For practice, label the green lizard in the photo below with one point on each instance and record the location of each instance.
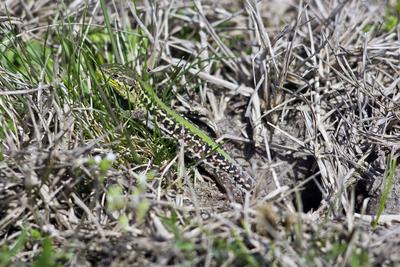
(198, 145)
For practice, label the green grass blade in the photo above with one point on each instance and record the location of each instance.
(387, 186)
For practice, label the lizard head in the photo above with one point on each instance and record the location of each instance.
(120, 78)
(116, 73)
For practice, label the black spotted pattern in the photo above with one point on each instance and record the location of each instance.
(197, 148)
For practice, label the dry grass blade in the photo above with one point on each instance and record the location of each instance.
(304, 94)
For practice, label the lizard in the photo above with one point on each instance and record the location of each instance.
(198, 145)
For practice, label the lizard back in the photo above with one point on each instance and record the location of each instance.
(198, 145)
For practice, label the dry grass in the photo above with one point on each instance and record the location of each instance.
(306, 96)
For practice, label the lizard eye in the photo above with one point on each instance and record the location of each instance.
(114, 76)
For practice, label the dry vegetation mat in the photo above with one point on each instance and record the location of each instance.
(304, 95)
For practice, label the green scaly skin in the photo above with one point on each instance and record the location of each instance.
(198, 145)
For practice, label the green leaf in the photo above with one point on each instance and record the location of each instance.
(6, 254)
(115, 198)
(46, 257)
(390, 23)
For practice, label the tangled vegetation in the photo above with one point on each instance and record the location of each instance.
(305, 95)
